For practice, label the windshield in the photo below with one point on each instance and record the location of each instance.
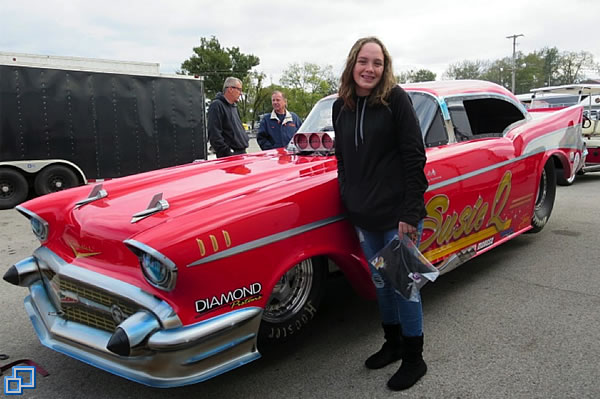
(426, 107)
(319, 119)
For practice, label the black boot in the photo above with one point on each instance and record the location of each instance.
(391, 350)
(413, 366)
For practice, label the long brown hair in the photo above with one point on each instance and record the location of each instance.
(348, 86)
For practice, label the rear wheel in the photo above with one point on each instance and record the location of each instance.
(13, 188)
(294, 300)
(561, 180)
(55, 178)
(545, 198)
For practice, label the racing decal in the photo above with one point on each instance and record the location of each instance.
(214, 242)
(485, 243)
(525, 221)
(521, 201)
(506, 232)
(234, 298)
(455, 231)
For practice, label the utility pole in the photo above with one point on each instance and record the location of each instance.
(514, 58)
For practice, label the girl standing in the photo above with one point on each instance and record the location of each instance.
(381, 156)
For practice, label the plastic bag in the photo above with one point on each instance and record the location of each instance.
(405, 267)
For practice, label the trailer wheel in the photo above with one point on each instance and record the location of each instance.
(54, 178)
(13, 188)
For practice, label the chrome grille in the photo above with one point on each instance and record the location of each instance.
(86, 304)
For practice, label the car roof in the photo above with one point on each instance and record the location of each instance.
(449, 88)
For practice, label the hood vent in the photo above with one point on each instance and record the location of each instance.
(96, 193)
(157, 204)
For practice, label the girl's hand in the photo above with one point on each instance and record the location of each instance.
(410, 230)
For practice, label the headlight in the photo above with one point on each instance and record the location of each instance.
(155, 271)
(159, 270)
(38, 225)
(39, 228)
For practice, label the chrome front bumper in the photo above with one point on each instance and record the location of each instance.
(168, 356)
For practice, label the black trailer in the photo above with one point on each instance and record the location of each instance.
(63, 127)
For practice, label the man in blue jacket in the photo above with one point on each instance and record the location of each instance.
(277, 128)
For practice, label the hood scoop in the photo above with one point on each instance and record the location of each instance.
(157, 204)
(96, 194)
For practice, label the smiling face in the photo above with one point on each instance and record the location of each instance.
(368, 68)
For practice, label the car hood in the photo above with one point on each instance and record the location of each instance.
(201, 196)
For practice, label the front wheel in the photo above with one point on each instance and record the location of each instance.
(545, 198)
(294, 300)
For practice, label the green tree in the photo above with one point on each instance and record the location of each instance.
(545, 67)
(572, 64)
(551, 58)
(499, 72)
(306, 84)
(422, 75)
(256, 97)
(404, 76)
(466, 70)
(216, 63)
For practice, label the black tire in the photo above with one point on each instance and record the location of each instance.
(294, 301)
(561, 180)
(54, 178)
(13, 188)
(545, 198)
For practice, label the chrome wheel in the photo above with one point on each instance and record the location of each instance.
(290, 293)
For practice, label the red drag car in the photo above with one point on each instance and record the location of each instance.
(171, 277)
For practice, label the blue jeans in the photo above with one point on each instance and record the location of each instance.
(394, 309)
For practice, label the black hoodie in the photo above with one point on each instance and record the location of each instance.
(381, 157)
(225, 130)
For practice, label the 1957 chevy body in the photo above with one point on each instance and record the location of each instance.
(174, 276)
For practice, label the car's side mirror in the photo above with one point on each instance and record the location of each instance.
(586, 122)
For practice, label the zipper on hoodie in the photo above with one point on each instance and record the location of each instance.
(362, 117)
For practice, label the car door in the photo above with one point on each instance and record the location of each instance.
(472, 178)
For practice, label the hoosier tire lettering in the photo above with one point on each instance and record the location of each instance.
(283, 332)
(294, 301)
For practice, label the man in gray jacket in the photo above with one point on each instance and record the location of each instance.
(226, 133)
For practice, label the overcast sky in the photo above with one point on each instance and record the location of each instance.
(428, 34)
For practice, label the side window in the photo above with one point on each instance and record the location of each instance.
(436, 135)
(460, 121)
(490, 116)
(430, 119)
(483, 117)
